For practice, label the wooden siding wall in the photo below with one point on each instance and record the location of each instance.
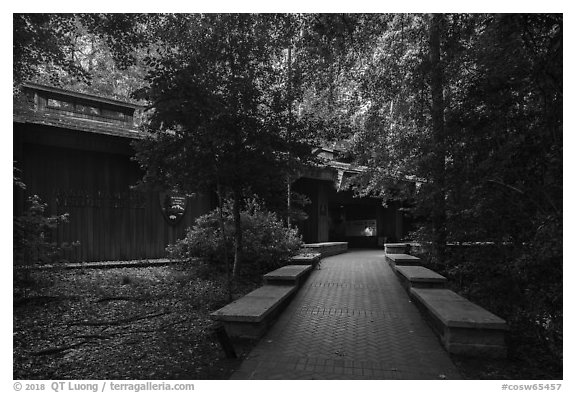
(309, 227)
(111, 221)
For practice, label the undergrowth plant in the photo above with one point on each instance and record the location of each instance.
(267, 242)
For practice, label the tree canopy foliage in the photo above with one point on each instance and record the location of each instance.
(91, 53)
(460, 117)
(502, 99)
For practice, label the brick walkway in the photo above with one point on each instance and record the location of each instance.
(350, 320)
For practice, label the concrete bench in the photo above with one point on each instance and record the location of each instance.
(419, 277)
(251, 315)
(402, 259)
(395, 248)
(287, 275)
(464, 327)
(327, 249)
(306, 259)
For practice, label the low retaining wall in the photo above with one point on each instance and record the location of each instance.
(104, 264)
(327, 249)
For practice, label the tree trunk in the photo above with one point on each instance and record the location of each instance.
(237, 231)
(288, 201)
(223, 239)
(289, 139)
(438, 137)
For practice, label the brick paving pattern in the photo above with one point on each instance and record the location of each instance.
(350, 320)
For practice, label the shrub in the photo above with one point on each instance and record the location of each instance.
(521, 284)
(32, 245)
(520, 281)
(267, 243)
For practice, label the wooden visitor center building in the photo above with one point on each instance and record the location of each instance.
(74, 151)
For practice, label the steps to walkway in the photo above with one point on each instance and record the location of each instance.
(251, 315)
(327, 249)
(464, 327)
(402, 260)
(419, 277)
(289, 275)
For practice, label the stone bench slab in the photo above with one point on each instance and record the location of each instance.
(287, 274)
(420, 273)
(326, 244)
(402, 259)
(306, 259)
(464, 327)
(395, 248)
(420, 277)
(256, 305)
(455, 311)
(328, 248)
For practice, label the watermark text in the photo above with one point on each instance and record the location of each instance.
(102, 386)
(531, 386)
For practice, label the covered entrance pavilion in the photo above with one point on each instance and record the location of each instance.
(336, 215)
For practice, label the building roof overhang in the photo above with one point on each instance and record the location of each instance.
(48, 119)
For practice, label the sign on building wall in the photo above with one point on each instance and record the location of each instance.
(100, 199)
(361, 228)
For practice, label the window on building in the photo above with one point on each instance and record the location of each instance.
(59, 104)
(88, 110)
(112, 114)
(85, 110)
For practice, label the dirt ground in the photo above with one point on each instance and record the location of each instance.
(119, 323)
